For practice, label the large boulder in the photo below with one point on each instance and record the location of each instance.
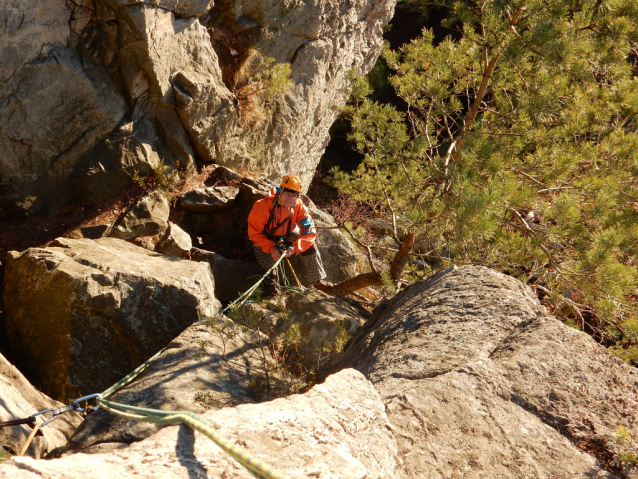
(324, 41)
(482, 382)
(211, 365)
(325, 325)
(97, 92)
(20, 400)
(337, 429)
(81, 314)
(209, 200)
(232, 277)
(176, 243)
(56, 106)
(147, 217)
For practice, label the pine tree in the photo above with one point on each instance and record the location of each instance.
(518, 150)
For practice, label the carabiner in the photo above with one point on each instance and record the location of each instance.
(86, 398)
(44, 411)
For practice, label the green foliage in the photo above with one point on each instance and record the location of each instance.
(257, 84)
(277, 80)
(293, 337)
(518, 150)
(4, 455)
(627, 455)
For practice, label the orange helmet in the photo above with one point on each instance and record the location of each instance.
(291, 182)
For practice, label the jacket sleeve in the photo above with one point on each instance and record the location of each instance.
(308, 233)
(256, 223)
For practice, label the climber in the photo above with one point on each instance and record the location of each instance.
(280, 224)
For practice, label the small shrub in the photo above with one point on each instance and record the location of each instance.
(293, 337)
(627, 455)
(202, 344)
(205, 399)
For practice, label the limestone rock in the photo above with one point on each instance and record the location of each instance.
(232, 277)
(99, 91)
(56, 106)
(208, 366)
(116, 162)
(338, 428)
(326, 323)
(82, 314)
(500, 389)
(147, 217)
(177, 242)
(20, 400)
(208, 200)
(323, 41)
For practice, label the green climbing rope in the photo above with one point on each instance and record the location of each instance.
(257, 468)
(131, 376)
(242, 299)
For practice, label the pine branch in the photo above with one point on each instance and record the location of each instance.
(395, 234)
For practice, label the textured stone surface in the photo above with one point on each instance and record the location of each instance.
(337, 429)
(481, 382)
(326, 323)
(323, 40)
(177, 242)
(19, 399)
(208, 200)
(232, 277)
(203, 368)
(147, 217)
(98, 91)
(81, 314)
(54, 106)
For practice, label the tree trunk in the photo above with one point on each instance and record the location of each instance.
(355, 283)
(396, 268)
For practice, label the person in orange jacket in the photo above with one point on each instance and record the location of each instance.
(280, 224)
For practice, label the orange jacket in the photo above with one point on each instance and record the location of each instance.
(260, 213)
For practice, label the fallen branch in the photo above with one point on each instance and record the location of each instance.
(350, 285)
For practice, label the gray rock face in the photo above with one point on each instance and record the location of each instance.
(55, 108)
(147, 218)
(326, 323)
(98, 91)
(177, 242)
(323, 41)
(481, 382)
(339, 426)
(20, 400)
(232, 277)
(82, 314)
(208, 200)
(204, 368)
